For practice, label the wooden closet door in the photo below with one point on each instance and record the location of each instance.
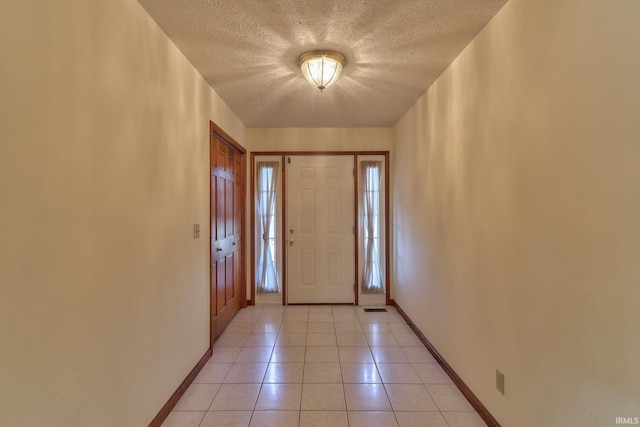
(227, 207)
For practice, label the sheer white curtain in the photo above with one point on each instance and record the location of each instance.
(370, 186)
(267, 181)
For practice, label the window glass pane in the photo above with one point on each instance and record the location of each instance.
(266, 227)
(370, 188)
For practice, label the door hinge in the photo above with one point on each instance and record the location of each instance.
(289, 160)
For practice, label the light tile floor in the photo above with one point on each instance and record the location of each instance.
(317, 366)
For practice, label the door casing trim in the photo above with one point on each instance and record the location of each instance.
(283, 155)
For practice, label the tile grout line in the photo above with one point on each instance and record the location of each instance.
(269, 363)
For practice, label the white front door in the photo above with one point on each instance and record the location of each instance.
(320, 242)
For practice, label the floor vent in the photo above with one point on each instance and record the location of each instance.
(375, 310)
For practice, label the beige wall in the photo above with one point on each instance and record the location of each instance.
(516, 207)
(320, 139)
(103, 171)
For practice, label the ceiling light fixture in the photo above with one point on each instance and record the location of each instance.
(321, 68)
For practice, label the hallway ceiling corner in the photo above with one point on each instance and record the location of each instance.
(247, 50)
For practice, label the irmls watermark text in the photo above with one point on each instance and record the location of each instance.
(628, 420)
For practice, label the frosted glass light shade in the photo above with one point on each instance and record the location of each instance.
(321, 68)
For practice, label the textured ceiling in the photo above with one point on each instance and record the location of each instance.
(247, 51)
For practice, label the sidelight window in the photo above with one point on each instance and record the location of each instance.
(267, 277)
(371, 227)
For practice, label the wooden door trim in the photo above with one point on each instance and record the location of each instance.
(284, 232)
(252, 226)
(216, 131)
(356, 231)
(355, 154)
(387, 256)
(318, 153)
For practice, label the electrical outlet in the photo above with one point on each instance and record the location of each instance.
(196, 231)
(500, 381)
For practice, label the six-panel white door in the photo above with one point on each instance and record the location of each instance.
(320, 229)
